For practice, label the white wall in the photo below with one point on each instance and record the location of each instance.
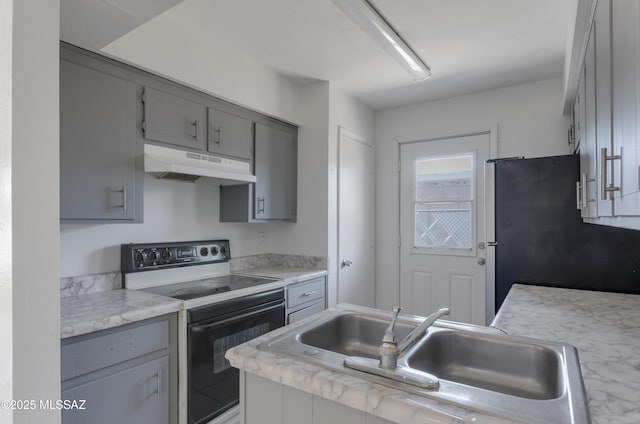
(29, 128)
(529, 122)
(173, 211)
(172, 46)
(348, 113)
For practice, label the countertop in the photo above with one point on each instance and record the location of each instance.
(91, 312)
(604, 327)
(289, 275)
(110, 308)
(382, 401)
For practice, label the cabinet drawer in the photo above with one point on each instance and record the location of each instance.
(305, 292)
(109, 349)
(303, 313)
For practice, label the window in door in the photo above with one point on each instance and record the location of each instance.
(444, 204)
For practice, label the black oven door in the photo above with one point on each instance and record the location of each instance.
(213, 382)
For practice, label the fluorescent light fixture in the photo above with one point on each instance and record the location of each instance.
(370, 21)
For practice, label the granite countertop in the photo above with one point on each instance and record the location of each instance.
(604, 327)
(110, 308)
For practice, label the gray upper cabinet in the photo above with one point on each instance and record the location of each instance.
(98, 176)
(273, 197)
(276, 172)
(173, 119)
(626, 107)
(229, 134)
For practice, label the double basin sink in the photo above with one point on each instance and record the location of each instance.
(479, 368)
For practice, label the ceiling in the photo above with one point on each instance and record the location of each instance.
(470, 45)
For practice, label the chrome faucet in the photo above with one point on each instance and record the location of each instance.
(391, 349)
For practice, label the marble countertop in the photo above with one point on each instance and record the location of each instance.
(96, 311)
(385, 402)
(604, 327)
(288, 274)
(110, 308)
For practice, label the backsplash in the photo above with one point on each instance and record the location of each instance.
(84, 284)
(278, 260)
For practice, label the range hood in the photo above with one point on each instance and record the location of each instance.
(174, 164)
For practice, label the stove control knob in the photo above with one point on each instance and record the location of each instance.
(223, 250)
(214, 250)
(166, 254)
(204, 251)
(140, 257)
(153, 256)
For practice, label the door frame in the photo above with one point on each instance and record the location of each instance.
(490, 277)
(342, 131)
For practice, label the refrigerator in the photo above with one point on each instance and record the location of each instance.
(535, 234)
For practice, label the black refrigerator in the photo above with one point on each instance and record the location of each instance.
(540, 237)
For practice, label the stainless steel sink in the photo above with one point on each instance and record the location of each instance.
(479, 368)
(352, 334)
(496, 363)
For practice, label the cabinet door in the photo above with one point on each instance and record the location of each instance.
(229, 134)
(97, 145)
(172, 119)
(588, 155)
(135, 395)
(626, 106)
(276, 172)
(580, 126)
(602, 30)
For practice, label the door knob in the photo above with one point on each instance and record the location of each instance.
(346, 263)
(481, 261)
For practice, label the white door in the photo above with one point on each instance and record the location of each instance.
(441, 224)
(355, 220)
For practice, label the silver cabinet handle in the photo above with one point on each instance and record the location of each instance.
(123, 190)
(583, 185)
(309, 293)
(158, 383)
(261, 204)
(218, 131)
(346, 263)
(195, 130)
(578, 195)
(603, 173)
(158, 378)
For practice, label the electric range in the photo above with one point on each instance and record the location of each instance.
(221, 310)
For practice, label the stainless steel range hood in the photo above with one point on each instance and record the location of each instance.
(174, 164)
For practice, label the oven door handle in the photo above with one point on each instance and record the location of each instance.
(199, 328)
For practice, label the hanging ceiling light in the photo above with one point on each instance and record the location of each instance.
(373, 23)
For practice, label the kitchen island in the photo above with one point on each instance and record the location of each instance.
(604, 327)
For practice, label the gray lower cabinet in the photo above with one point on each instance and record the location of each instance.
(126, 375)
(229, 134)
(99, 181)
(273, 197)
(173, 119)
(135, 395)
(306, 298)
